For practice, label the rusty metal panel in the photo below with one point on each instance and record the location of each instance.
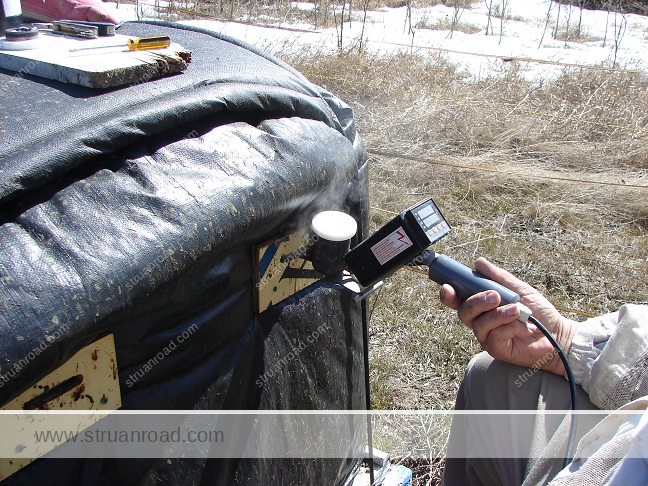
(87, 381)
(277, 280)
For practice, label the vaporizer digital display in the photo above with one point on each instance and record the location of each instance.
(430, 220)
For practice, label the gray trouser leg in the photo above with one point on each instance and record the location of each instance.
(494, 385)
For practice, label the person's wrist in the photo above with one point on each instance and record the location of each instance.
(564, 334)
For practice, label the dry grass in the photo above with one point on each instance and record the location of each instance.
(325, 13)
(446, 24)
(584, 245)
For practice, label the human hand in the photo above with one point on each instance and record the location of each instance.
(84, 10)
(498, 330)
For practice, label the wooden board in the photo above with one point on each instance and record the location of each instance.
(51, 58)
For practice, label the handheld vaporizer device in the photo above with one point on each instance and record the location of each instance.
(405, 240)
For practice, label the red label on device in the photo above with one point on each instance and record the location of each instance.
(390, 246)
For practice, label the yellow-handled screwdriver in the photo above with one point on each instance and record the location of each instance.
(139, 44)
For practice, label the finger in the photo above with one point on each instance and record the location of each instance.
(500, 342)
(493, 272)
(449, 297)
(476, 305)
(490, 321)
(507, 331)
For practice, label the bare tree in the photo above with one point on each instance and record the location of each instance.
(457, 11)
(569, 15)
(581, 7)
(555, 31)
(365, 8)
(503, 17)
(607, 22)
(339, 25)
(409, 28)
(620, 26)
(320, 12)
(489, 21)
(546, 24)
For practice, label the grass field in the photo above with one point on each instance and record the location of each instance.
(539, 178)
(546, 178)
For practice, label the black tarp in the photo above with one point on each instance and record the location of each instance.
(134, 211)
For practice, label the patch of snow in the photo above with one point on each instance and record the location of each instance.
(524, 34)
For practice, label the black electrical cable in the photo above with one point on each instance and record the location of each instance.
(365, 348)
(572, 389)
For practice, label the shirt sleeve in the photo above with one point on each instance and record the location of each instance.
(609, 356)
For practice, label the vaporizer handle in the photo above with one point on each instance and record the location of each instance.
(466, 282)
